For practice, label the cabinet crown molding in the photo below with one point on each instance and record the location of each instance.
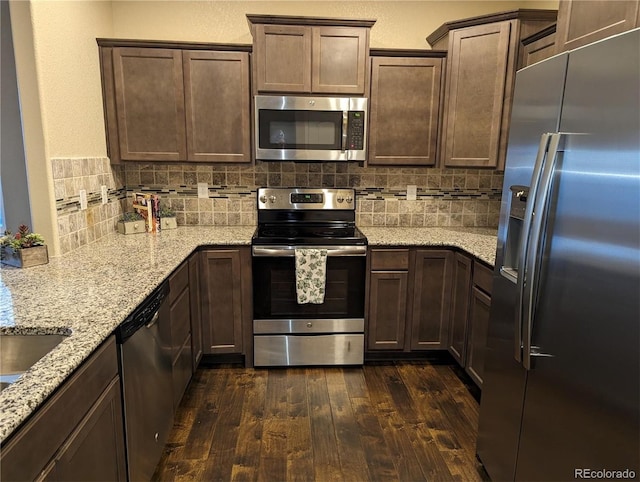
(312, 21)
(517, 14)
(166, 44)
(391, 52)
(539, 35)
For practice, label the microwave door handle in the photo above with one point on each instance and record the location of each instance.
(345, 126)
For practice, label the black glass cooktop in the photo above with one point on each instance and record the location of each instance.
(298, 234)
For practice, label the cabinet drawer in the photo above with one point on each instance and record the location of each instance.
(178, 281)
(482, 277)
(389, 259)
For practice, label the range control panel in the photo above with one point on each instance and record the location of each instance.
(306, 198)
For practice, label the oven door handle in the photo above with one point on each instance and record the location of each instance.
(289, 251)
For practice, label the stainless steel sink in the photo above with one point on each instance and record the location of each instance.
(18, 353)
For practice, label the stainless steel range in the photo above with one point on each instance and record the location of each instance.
(293, 222)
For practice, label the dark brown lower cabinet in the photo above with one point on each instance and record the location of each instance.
(180, 316)
(225, 288)
(387, 310)
(469, 322)
(194, 301)
(431, 299)
(478, 326)
(78, 433)
(460, 307)
(409, 293)
(98, 433)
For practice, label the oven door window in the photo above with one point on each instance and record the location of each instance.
(300, 129)
(274, 289)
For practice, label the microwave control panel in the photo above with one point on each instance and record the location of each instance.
(355, 130)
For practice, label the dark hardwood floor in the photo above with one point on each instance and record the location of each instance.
(404, 421)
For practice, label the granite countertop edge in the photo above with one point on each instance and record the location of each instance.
(97, 286)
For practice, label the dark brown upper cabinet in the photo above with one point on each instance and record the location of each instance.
(538, 46)
(581, 22)
(310, 55)
(149, 94)
(405, 107)
(168, 101)
(217, 98)
(481, 64)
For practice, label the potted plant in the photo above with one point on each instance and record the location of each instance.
(131, 223)
(23, 249)
(167, 218)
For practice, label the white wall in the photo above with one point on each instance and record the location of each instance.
(400, 24)
(60, 94)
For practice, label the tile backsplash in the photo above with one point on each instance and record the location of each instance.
(79, 227)
(445, 197)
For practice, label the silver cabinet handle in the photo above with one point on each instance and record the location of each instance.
(524, 241)
(538, 224)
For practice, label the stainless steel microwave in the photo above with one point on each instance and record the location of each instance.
(291, 128)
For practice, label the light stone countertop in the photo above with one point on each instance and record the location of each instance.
(91, 290)
(480, 242)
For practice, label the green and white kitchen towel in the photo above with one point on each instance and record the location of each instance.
(311, 274)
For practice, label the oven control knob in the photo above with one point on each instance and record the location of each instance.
(272, 199)
(340, 199)
(263, 199)
(309, 324)
(349, 199)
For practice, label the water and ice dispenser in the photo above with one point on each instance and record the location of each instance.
(519, 195)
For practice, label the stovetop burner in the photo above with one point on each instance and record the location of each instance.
(307, 216)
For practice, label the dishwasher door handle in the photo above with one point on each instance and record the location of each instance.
(154, 320)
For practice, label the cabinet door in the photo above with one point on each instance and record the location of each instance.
(221, 301)
(283, 58)
(194, 301)
(582, 22)
(405, 101)
(476, 76)
(387, 310)
(217, 100)
(339, 57)
(478, 326)
(27, 451)
(460, 307)
(149, 93)
(181, 359)
(538, 50)
(95, 450)
(431, 299)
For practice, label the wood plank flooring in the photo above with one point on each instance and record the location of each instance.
(404, 421)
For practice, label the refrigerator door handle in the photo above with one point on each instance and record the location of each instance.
(524, 242)
(533, 249)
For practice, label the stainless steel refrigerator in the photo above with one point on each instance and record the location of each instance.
(560, 398)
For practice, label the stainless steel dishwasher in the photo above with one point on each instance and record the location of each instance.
(144, 348)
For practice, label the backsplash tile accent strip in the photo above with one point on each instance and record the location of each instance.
(445, 197)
